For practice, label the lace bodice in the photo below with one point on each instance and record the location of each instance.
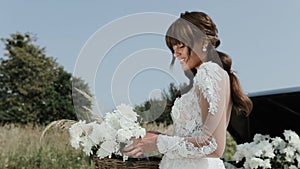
(197, 114)
(186, 124)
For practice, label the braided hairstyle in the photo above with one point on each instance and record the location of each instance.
(197, 26)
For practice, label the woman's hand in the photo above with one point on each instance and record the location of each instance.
(141, 145)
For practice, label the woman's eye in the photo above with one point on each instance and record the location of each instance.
(180, 46)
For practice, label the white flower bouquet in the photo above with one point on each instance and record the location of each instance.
(266, 152)
(109, 136)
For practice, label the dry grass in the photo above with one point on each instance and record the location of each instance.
(161, 127)
(20, 147)
(23, 147)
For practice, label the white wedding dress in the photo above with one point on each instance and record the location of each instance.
(210, 95)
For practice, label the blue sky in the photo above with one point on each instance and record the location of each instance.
(262, 38)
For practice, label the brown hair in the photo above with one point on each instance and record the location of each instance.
(193, 26)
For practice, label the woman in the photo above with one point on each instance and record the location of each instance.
(201, 115)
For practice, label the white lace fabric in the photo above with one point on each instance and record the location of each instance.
(199, 118)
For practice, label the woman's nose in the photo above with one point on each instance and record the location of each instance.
(176, 54)
(176, 51)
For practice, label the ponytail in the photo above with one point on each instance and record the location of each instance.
(241, 102)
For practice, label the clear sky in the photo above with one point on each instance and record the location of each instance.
(262, 37)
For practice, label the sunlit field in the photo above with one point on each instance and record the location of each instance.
(21, 148)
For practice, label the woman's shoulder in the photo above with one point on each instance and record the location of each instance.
(211, 76)
(210, 80)
(210, 66)
(210, 70)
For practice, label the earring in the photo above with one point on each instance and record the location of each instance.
(204, 49)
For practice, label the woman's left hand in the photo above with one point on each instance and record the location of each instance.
(141, 145)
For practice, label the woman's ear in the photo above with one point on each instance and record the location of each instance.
(205, 43)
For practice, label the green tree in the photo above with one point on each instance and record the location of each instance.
(151, 110)
(33, 87)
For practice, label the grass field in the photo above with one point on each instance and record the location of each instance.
(20, 148)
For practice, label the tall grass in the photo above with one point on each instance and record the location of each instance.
(20, 148)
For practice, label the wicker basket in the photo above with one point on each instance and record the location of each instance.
(131, 163)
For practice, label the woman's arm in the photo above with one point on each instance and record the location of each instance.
(213, 97)
(213, 84)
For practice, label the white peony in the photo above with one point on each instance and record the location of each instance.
(109, 146)
(293, 139)
(102, 153)
(257, 162)
(278, 143)
(259, 137)
(87, 145)
(124, 135)
(112, 119)
(107, 132)
(290, 136)
(97, 133)
(293, 167)
(298, 159)
(110, 135)
(127, 112)
(76, 130)
(139, 132)
(266, 148)
(265, 151)
(269, 151)
(75, 142)
(125, 124)
(289, 153)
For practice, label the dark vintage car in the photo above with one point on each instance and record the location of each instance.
(273, 112)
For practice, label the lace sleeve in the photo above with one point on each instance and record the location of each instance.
(213, 90)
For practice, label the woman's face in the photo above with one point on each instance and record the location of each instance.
(181, 52)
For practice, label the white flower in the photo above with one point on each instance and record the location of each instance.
(87, 145)
(110, 135)
(293, 167)
(125, 124)
(102, 153)
(266, 148)
(139, 132)
(278, 143)
(75, 142)
(127, 112)
(262, 151)
(259, 137)
(107, 132)
(109, 146)
(99, 133)
(293, 139)
(112, 119)
(298, 159)
(289, 153)
(76, 130)
(123, 135)
(290, 136)
(242, 150)
(257, 162)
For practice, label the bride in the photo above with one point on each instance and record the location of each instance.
(201, 114)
